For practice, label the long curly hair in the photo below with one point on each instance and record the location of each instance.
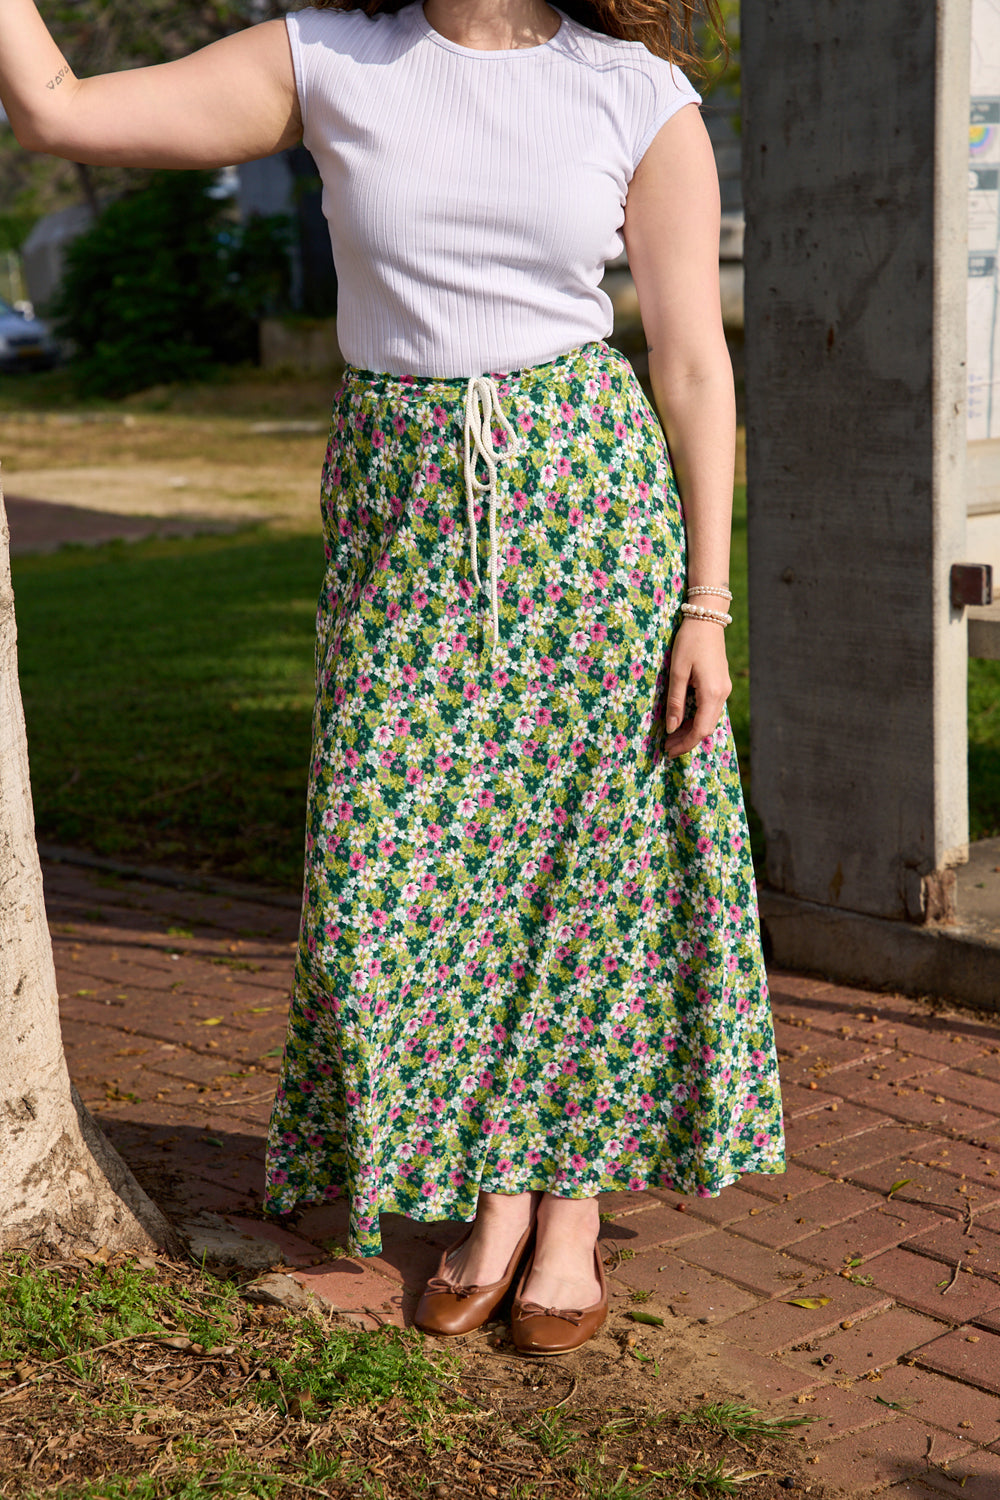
(671, 28)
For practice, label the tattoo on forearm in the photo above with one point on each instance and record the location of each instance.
(63, 73)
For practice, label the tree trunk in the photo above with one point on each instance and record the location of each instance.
(61, 1183)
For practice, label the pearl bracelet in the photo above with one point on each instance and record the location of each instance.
(704, 588)
(697, 612)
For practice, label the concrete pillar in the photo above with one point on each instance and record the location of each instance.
(855, 176)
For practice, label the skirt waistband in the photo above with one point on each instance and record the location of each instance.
(382, 380)
(480, 398)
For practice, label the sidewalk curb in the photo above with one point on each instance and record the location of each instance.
(178, 880)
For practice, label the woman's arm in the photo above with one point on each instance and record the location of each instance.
(672, 236)
(233, 101)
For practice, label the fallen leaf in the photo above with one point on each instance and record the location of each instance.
(645, 1317)
(902, 1183)
(212, 1021)
(806, 1301)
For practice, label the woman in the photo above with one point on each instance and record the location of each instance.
(529, 969)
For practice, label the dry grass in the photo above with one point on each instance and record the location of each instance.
(156, 1380)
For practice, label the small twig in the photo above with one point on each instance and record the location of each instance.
(568, 1396)
(131, 1338)
(954, 1278)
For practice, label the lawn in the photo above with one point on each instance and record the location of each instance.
(168, 691)
(150, 1380)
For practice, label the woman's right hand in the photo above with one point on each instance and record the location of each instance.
(232, 101)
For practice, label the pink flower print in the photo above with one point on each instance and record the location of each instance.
(534, 1157)
(525, 605)
(486, 798)
(470, 692)
(414, 776)
(446, 525)
(575, 515)
(379, 917)
(761, 1138)
(572, 1109)
(353, 1098)
(563, 467)
(525, 421)
(652, 960)
(439, 416)
(598, 632)
(577, 747)
(428, 881)
(444, 763)
(357, 860)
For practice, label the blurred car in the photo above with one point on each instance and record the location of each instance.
(26, 342)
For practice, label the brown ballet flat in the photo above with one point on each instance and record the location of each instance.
(556, 1330)
(448, 1310)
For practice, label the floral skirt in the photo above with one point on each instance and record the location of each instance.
(529, 953)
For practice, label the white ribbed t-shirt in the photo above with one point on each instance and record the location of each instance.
(473, 197)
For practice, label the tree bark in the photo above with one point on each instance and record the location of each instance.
(61, 1182)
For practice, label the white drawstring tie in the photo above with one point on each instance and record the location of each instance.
(482, 407)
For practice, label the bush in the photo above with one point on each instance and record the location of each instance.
(164, 286)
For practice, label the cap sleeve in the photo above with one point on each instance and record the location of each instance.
(293, 25)
(670, 90)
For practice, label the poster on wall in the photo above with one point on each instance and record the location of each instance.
(984, 224)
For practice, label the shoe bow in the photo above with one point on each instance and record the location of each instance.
(535, 1310)
(439, 1284)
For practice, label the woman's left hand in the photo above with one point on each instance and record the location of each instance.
(697, 662)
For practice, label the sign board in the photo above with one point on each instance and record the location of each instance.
(984, 224)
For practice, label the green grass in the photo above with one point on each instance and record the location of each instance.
(168, 692)
(168, 689)
(984, 749)
(101, 1395)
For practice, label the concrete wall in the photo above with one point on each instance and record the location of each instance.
(855, 143)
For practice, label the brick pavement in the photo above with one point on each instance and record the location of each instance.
(173, 1006)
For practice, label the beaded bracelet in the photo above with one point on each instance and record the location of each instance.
(704, 588)
(697, 612)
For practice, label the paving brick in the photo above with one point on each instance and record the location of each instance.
(295, 1251)
(868, 1345)
(926, 1185)
(981, 1093)
(835, 1411)
(822, 1056)
(990, 1320)
(827, 1125)
(973, 1477)
(979, 1249)
(864, 1463)
(967, 1354)
(796, 1101)
(786, 985)
(985, 1066)
(347, 1286)
(760, 1380)
(641, 1231)
(974, 1163)
(915, 1280)
(779, 1186)
(919, 1100)
(969, 1414)
(871, 1085)
(786, 1223)
(843, 1157)
(682, 1289)
(867, 1235)
(627, 1203)
(777, 1325)
(728, 1206)
(752, 1266)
